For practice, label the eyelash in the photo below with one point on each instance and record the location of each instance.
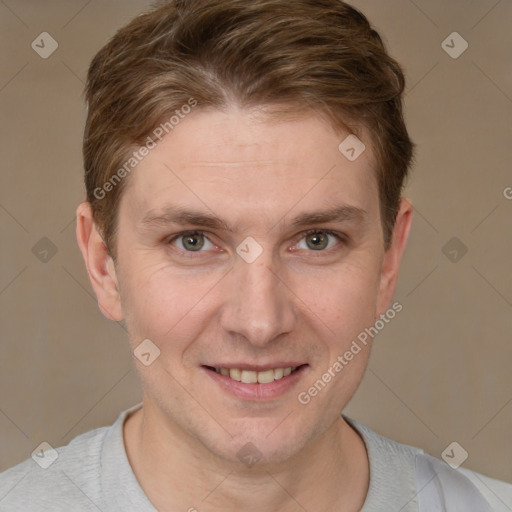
(342, 238)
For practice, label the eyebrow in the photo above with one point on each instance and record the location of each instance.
(180, 215)
(341, 213)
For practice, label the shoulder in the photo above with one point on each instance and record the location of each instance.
(392, 484)
(427, 481)
(56, 479)
(496, 492)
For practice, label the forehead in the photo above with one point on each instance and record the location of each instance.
(243, 161)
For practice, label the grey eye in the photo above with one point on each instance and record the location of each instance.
(317, 241)
(192, 242)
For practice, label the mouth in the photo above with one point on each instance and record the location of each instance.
(265, 376)
(257, 383)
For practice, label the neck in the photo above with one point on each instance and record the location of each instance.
(179, 473)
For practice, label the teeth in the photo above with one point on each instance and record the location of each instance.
(252, 377)
(265, 377)
(235, 374)
(278, 373)
(249, 377)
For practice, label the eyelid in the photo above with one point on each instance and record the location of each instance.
(170, 240)
(332, 232)
(341, 237)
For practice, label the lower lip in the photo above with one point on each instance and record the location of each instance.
(257, 392)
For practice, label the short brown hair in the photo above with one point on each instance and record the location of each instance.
(315, 54)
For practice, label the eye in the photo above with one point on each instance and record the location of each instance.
(320, 240)
(191, 241)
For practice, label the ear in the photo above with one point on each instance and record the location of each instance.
(393, 256)
(100, 265)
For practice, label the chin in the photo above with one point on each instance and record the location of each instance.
(259, 445)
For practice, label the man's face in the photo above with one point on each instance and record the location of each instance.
(300, 303)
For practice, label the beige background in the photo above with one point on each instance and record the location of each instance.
(440, 372)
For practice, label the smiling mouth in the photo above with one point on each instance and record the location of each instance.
(255, 377)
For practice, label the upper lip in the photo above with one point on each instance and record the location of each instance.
(256, 367)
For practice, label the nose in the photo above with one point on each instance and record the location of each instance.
(259, 306)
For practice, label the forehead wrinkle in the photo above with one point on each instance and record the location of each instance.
(231, 164)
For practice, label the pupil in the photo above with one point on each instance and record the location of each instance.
(192, 242)
(318, 240)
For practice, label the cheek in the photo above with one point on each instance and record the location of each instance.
(344, 298)
(342, 309)
(162, 304)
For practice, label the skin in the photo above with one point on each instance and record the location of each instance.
(293, 302)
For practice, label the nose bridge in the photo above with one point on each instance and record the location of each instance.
(259, 306)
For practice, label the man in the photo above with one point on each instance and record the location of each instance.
(244, 164)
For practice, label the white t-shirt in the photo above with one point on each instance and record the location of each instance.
(92, 473)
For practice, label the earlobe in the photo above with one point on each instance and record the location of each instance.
(99, 264)
(393, 256)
